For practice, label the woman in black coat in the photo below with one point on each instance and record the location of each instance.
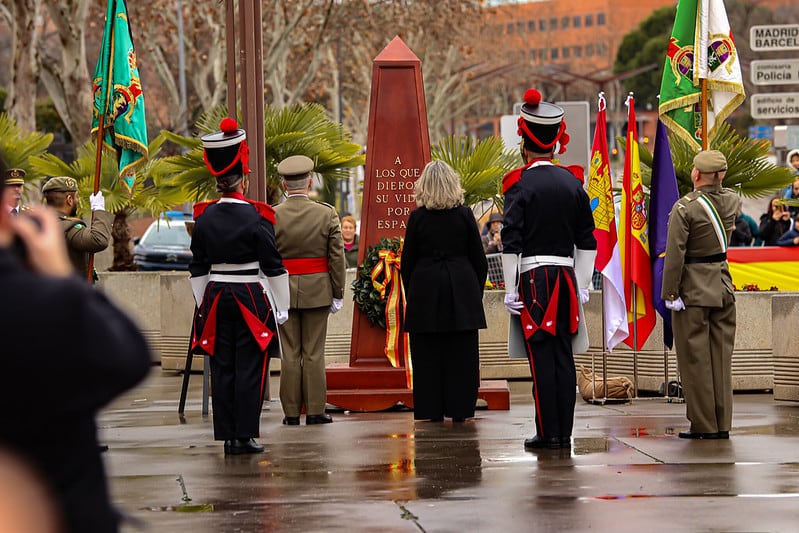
(444, 272)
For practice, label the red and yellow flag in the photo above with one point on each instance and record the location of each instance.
(634, 242)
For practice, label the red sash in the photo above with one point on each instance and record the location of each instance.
(298, 266)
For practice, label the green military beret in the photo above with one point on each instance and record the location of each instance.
(60, 184)
(295, 167)
(710, 161)
(15, 176)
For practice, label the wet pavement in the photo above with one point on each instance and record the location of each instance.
(384, 472)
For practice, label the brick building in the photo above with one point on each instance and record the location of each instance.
(579, 36)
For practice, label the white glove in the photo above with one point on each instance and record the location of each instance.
(281, 317)
(512, 303)
(674, 305)
(198, 284)
(97, 201)
(336, 306)
(584, 296)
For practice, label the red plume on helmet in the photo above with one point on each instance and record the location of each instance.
(541, 123)
(226, 151)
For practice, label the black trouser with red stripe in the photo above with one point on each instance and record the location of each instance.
(554, 385)
(550, 356)
(238, 375)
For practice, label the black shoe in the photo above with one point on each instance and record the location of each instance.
(458, 419)
(291, 421)
(537, 443)
(701, 436)
(565, 442)
(242, 446)
(725, 435)
(318, 419)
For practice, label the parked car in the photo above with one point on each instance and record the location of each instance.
(165, 245)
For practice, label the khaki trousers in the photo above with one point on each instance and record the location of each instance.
(705, 338)
(302, 370)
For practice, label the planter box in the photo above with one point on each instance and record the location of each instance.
(161, 303)
(785, 343)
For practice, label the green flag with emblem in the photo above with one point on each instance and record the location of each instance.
(701, 47)
(118, 96)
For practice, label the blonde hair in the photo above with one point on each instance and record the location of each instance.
(439, 187)
(350, 219)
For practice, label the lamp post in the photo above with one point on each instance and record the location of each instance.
(343, 184)
(182, 119)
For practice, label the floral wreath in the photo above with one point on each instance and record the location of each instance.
(365, 294)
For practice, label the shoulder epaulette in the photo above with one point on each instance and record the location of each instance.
(264, 209)
(200, 207)
(576, 170)
(511, 178)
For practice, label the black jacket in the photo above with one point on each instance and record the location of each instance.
(444, 271)
(66, 353)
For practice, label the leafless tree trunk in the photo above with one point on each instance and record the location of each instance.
(294, 51)
(66, 77)
(22, 18)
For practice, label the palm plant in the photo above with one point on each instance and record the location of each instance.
(481, 165)
(146, 196)
(748, 171)
(299, 129)
(17, 148)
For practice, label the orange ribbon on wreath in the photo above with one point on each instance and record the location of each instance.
(393, 292)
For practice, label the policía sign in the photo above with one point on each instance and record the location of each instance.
(774, 37)
(775, 71)
(775, 105)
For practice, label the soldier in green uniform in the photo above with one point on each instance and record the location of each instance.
(308, 236)
(697, 287)
(15, 182)
(61, 193)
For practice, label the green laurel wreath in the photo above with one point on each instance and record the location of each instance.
(364, 293)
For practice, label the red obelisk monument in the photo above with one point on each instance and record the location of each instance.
(397, 149)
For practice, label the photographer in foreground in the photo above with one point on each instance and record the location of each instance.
(67, 352)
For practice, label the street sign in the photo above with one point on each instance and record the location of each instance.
(775, 71)
(775, 105)
(774, 37)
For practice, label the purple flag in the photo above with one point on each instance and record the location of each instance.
(663, 194)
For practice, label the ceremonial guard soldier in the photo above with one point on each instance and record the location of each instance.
(697, 287)
(548, 259)
(310, 242)
(241, 289)
(61, 193)
(15, 182)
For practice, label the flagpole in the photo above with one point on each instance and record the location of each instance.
(703, 107)
(98, 160)
(634, 293)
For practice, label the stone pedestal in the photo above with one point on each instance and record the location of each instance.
(785, 346)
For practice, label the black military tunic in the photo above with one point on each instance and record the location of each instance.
(232, 240)
(547, 214)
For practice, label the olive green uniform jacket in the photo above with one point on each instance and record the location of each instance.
(704, 332)
(83, 240)
(307, 229)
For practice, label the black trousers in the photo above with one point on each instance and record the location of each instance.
(554, 384)
(446, 374)
(238, 375)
